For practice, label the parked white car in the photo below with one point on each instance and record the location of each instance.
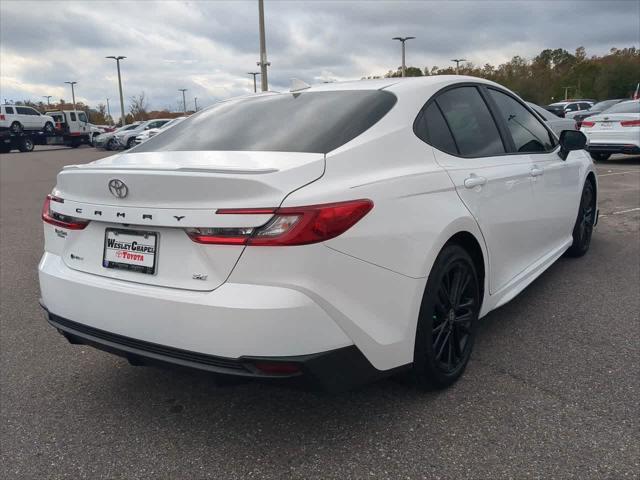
(147, 134)
(337, 234)
(19, 118)
(127, 138)
(556, 123)
(616, 130)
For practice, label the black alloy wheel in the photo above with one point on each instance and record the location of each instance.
(583, 228)
(448, 319)
(16, 127)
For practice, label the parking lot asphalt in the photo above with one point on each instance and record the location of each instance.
(551, 391)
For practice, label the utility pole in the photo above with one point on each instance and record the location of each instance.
(117, 59)
(73, 94)
(47, 97)
(254, 80)
(403, 40)
(263, 63)
(109, 112)
(566, 92)
(184, 99)
(458, 60)
(195, 102)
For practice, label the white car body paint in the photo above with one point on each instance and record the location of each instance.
(362, 288)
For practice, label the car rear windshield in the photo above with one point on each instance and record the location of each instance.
(625, 107)
(313, 122)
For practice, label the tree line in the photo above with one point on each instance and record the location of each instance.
(545, 78)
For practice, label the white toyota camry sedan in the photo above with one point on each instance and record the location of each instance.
(335, 234)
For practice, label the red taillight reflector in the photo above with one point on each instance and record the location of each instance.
(288, 226)
(2, 117)
(588, 124)
(630, 123)
(278, 368)
(58, 219)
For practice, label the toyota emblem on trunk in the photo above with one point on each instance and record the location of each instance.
(118, 188)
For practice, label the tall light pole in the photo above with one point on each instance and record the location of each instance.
(263, 63)
(254, 80)
(184, 99)
(73, 94)
(117, 59)
(48, 97)
(458, 60)
(109, 111)
(402, 40)
(195, 103)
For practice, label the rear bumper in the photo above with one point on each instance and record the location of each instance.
(224, 331)
(625, 148)
(336, 370)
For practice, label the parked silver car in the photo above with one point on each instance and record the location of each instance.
(556, 123)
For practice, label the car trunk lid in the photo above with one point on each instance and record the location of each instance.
(163, 193)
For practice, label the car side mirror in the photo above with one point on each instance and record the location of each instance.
(571, 140)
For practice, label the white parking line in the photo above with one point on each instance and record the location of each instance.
(617, 173)
(621, 212)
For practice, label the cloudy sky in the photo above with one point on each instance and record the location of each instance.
(208, 46)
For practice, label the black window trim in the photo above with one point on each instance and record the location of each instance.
(492, 104)
(503, 130)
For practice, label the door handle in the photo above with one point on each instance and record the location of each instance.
(536, 171)
(473, 181)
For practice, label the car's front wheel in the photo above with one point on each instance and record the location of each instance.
(131, 143)
(48, 127)
(448, 319)
(583, 228)
(599, 157)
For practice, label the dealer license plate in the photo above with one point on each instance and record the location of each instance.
(130, 250)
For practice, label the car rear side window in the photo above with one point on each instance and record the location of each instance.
(9, 110)
(314, 122)
(527, 132)
(431, 127)
(473, 128)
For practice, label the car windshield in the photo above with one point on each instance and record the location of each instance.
(313, 122)
(625, 107)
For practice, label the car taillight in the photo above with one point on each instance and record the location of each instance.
(630, 123)
(587, 124)
(288, 226)
(58, 219)
(2, 117)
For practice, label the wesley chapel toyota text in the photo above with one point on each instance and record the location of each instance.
(337, 233)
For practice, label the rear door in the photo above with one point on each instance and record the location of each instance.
(555, 182)
(495, 186)
(25, 118)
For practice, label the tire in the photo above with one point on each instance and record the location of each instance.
(16, 127)
(447, 322)
(131, 143)
(599, 157)
(583, 228)
(48, 127)
(110, 145)
(4, 149)
(75, 144)
(27, 145)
